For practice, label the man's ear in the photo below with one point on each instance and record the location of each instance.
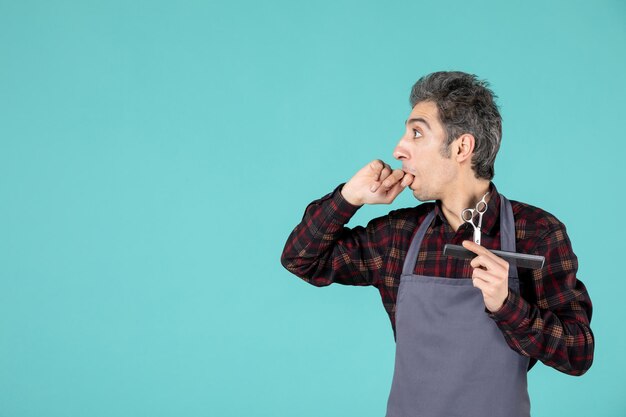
(464, 147)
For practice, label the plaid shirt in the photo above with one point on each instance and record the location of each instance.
(547, 321)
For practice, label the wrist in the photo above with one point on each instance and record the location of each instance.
(501, 305)
(347, 195)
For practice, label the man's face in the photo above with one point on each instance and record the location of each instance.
(420, 151)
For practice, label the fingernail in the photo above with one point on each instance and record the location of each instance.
(373, 188)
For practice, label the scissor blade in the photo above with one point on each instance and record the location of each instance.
(477, 236)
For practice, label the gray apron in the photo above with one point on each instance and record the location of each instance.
(451, 357)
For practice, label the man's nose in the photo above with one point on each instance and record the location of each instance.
(399, 152)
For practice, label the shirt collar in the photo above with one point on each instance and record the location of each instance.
(490, 217)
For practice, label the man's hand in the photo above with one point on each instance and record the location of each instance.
(375, 183)
(491, 276)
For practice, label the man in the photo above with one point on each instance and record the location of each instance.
(466, 331)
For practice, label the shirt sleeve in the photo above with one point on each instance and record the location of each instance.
(322, 251)
(555, 328)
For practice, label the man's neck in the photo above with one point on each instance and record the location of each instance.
(463, 196)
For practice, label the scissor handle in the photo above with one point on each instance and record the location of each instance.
(481, 207)
(464, 215)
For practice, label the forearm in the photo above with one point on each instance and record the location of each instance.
(320, 250)
(563, 341)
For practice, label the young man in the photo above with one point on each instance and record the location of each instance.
(466, 331)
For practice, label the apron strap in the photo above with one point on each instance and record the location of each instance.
(411, 257)
(507, 239)
(507, 231)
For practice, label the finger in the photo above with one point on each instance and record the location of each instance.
(385, 173)
(393, 192)
(377, 166)
(485, 262)
(479, 283)
(393, 179)
(485, 276)
(407, 179)
(484, 282)
(485, 288)
(482, 251)
(474, 247)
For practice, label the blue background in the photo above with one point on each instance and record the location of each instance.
(154, 157)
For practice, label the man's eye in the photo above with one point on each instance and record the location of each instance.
(416, 134)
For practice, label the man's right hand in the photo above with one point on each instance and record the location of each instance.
(375, 183)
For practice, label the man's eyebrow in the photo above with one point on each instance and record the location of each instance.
(417, 119)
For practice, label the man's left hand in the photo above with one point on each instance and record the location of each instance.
(491, 276)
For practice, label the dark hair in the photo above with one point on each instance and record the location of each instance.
(466, 105)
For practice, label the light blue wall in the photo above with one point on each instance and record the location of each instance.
(154, 157)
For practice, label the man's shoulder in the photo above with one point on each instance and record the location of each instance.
(533, 220)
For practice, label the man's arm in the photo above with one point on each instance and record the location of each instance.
(556, 329)
(321, 250)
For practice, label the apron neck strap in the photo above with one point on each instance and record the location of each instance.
(507, 237)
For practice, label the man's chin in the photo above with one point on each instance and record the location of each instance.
(419, 196)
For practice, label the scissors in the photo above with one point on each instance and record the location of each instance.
(468, 215)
